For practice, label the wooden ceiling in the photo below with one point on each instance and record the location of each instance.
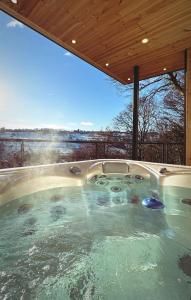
(110, 31)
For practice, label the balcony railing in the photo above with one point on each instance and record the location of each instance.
(23, 151)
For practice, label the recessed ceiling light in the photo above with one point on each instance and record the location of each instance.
(129, 78)
(73, 41)
(164, 69)
(14, 1)
(107, 64)
(145, 40)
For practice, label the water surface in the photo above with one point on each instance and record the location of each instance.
(93, 242)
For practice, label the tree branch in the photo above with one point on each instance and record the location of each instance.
(176, 83)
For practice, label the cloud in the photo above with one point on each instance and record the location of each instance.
(68, 54)
(86, 123)
(14, 23)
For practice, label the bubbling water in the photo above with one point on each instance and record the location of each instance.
(94, 242)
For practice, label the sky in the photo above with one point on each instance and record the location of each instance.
(43, 85)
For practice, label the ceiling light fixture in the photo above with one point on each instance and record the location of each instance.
(107, 64)
(145, 41)
(129, 79)
(73, 41)
(164, 69)
(14, 1)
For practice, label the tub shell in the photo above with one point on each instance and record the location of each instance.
(18, 182)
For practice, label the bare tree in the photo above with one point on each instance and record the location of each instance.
(147, 122)
(161, 108)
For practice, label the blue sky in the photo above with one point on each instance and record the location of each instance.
(43, 85)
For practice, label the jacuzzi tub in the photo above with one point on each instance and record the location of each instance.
(79, 231)
(17, 182)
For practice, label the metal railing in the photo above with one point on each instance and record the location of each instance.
(149, 151)
(167, 152)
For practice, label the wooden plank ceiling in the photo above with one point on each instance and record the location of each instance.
(111, 31)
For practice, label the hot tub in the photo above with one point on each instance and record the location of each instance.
(80, 231)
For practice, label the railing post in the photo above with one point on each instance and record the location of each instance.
(22, 152)
(140, 151)
(104, 144)
(96, 150)
(129, 150)
(164, 153)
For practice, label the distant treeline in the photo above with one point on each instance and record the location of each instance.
(51, 130)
